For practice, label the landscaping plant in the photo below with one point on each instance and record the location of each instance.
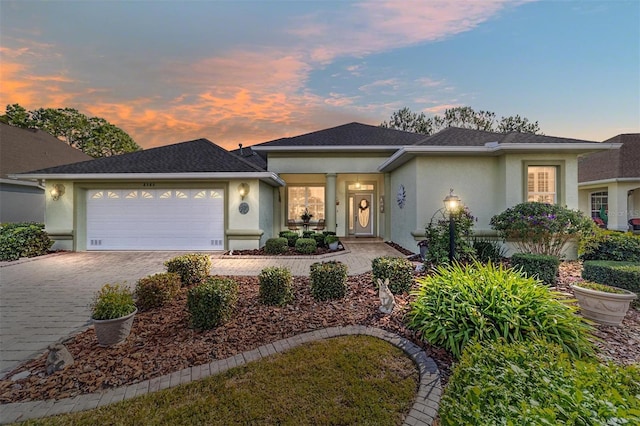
(618, 274)
(540, 266)
(276, 286)
(306, 245)
(156, 290)
(276, 245)
(437, 238)
(398, 270)
(25, 239)
(610, 245)
(328, 280)
(112, 301)
(211, 303)
(193, 268)
(536, 383)
(541, 228)
(487, 250)
(460, 303)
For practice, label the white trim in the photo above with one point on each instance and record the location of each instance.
(327, 148)
(607, 181)
(266, 176)
(19, 182)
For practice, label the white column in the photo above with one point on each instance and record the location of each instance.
(617, 208)
(330, 202)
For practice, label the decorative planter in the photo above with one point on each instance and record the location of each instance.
(113, 331)
(334, 246)
(603, 307)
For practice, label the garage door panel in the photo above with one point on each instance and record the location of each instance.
(159, 219)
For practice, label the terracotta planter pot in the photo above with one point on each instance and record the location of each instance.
(113, 331)
(602, 307)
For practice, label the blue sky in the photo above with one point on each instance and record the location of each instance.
(251, 71)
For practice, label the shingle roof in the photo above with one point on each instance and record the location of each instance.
(456, 136)
(619, 163)
(22, 150)
(200, 155)
(259, 159)
(351, 134)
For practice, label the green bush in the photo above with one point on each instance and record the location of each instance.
(486, 302)
(437, 237)
(617, 274)
(291, 237)
(319, 237)
(328, 280)
(192, 268)
(487, 250)
(112, 301)
(533, 383)
(276, 245)
(307, 234)
(539, 266)
(610, 245)
(306, 245)
(276, 286)
(24, 239)
(399, 271)
(541, 228)
(330, 239)
(211, 303)
(156, 290)
(325, 233)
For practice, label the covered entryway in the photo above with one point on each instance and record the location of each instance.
(155, 219)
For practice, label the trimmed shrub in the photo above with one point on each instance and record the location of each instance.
(306, 245)
(24, 239)
(291, 237)
(610, 245)
(319, 237)
(541, 228)
(211, 303)
(307, 234)
(460, 303)
(398, 270)
(533, 383)
(156, 290)
(112, 301)
(325, 233)
(328, 280)
(276, 286)
(192, 268)
(488, 250)
(539, 266)
(276, 245)
(617, 274)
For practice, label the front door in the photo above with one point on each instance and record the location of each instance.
(361, 209)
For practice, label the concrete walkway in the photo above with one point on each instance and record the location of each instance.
(46, 299)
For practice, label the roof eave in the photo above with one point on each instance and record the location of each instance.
(268, 177)
(327, 148)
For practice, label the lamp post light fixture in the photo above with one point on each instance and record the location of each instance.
(452, 204)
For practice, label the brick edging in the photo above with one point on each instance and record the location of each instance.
(423, 411)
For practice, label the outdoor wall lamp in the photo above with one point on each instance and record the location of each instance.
(243, 190)
(452, 204)
(57, 191)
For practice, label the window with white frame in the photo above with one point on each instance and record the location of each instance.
(599, 204)
(301, 198)
(542, 184)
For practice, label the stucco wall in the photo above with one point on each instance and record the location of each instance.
(266, 215)
(404, 220)
(347, 162)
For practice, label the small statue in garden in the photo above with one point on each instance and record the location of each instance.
(387, 301)
(59, 358)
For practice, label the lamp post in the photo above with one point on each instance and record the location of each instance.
(452, 204)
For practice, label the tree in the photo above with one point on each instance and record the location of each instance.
(94, 136)
(465, 117)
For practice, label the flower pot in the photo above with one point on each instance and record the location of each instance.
(334, 246)
(113, 331)
(602, 307)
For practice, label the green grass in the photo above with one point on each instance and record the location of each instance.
(345, 380)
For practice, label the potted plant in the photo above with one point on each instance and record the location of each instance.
(602, 303)
(332, 241)
(112, 312)
(306, 216)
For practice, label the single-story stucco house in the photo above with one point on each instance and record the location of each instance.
(22, 150)
(609, 183)
(359, 180)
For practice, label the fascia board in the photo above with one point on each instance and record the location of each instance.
(269, 177)
(408, 152)
(608, 181)
(327, 148)
(19, 182)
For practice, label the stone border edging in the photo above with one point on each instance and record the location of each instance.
(423, 411)
(292, 257)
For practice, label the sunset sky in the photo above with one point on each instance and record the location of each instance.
(252, 71)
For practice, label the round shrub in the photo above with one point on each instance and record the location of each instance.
(462, 303)
(328, 280)
(306, 245)
(535, 383)
(539, 266)
(319, 237)
(291, 237)
(610, 245)
(156, 290)
(399, 271)
(192, 268)
(24, 239)
(211, 303)
(276, 286)
(276, 245)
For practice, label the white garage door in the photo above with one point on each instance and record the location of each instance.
(155, 219)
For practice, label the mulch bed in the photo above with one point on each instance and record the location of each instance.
(162, 341)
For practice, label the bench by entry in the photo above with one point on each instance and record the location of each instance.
(635, 223)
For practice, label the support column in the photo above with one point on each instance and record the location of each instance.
(617, 208)
(330, 202)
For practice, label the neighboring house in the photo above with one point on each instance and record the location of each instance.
(361, 180)
(22, 150)
(609, 183)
